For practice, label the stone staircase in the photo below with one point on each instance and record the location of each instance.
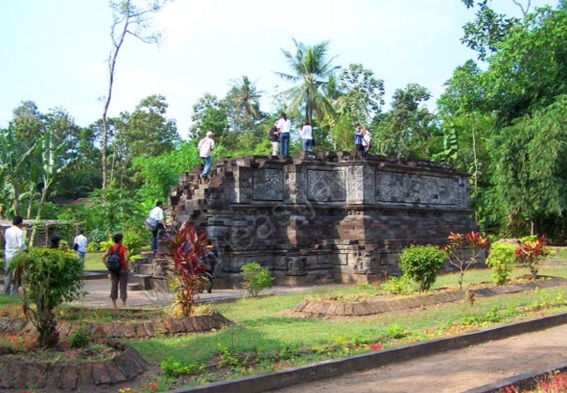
(148, 273)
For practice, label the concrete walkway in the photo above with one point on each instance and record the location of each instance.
(99, 294)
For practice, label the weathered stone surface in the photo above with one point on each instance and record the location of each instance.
(116, 375)
(53, 375)
(326, 216)
(337, 308)
(100, 375)
(69, 377)
(37, 376)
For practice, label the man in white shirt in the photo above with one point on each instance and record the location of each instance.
(80, 246)
(284, 127)
(14, 242)
(156, 216)
(206, 146)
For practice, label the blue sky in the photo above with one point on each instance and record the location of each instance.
(54, 52)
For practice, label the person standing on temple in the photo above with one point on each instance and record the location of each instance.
(274, 138)
(358, 141)
(284, 127)
(14, 242)
(206, 146)
(307, 136)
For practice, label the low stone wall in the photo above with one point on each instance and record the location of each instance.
(337, 308)
(102, 331)
(49, 377)
(322, 217)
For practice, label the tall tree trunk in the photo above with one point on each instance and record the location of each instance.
(111, 70)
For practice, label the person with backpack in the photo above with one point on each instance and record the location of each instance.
(274, 137)
(116, 261)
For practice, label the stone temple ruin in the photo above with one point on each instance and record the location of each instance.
(324, 217)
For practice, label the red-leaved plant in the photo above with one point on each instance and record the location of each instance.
(185, 249)
(464, 250)
(531, 252)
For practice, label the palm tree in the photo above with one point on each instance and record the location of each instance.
(245, 101)
(312, 72)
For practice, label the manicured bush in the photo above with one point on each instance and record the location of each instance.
(49, 278)
(501, 259)
(256, 278)
(421, 263)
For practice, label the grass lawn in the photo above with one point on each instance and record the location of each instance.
(93, 261)
(266, 336)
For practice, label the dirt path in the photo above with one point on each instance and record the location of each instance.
(454, 371)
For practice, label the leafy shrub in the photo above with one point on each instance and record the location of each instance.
(49, 278)
(421, 263)
(185, 249)
(464, 251)
(531, 252)
(80, 338)
(501, 260)
(174, 368)
(256, 278)
(402, 285)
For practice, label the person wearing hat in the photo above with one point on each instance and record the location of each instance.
(206, 146)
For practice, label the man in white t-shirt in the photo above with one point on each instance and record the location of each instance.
(14, 242)
(156, 216)
(206, 146)
(284, 127)
(80, 246)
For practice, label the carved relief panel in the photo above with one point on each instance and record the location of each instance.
(326, 186)
(269, 184)
(417, 188)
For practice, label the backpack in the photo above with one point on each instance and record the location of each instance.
(113, 260)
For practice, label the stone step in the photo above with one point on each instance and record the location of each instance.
(134, 286)
(145, 268)
(143, 280)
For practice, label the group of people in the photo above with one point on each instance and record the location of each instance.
(14, 242)
(279, 136)
(362, 141)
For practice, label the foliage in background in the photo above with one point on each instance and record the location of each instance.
(501, 259)
(421, 264)
(49, 278)
(531, 252)
(256, 278)
(464, 250)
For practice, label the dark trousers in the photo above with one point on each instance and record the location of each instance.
(158, 231)
(119, 280)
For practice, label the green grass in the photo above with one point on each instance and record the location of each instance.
(266, 336)
(264, 326)
(93, 261)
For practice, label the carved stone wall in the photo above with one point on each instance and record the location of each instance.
(324, 217)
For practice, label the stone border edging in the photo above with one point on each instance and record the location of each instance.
(120, 329)
(326, 308)
(332, 368)
(123, 367)
(522, 381)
